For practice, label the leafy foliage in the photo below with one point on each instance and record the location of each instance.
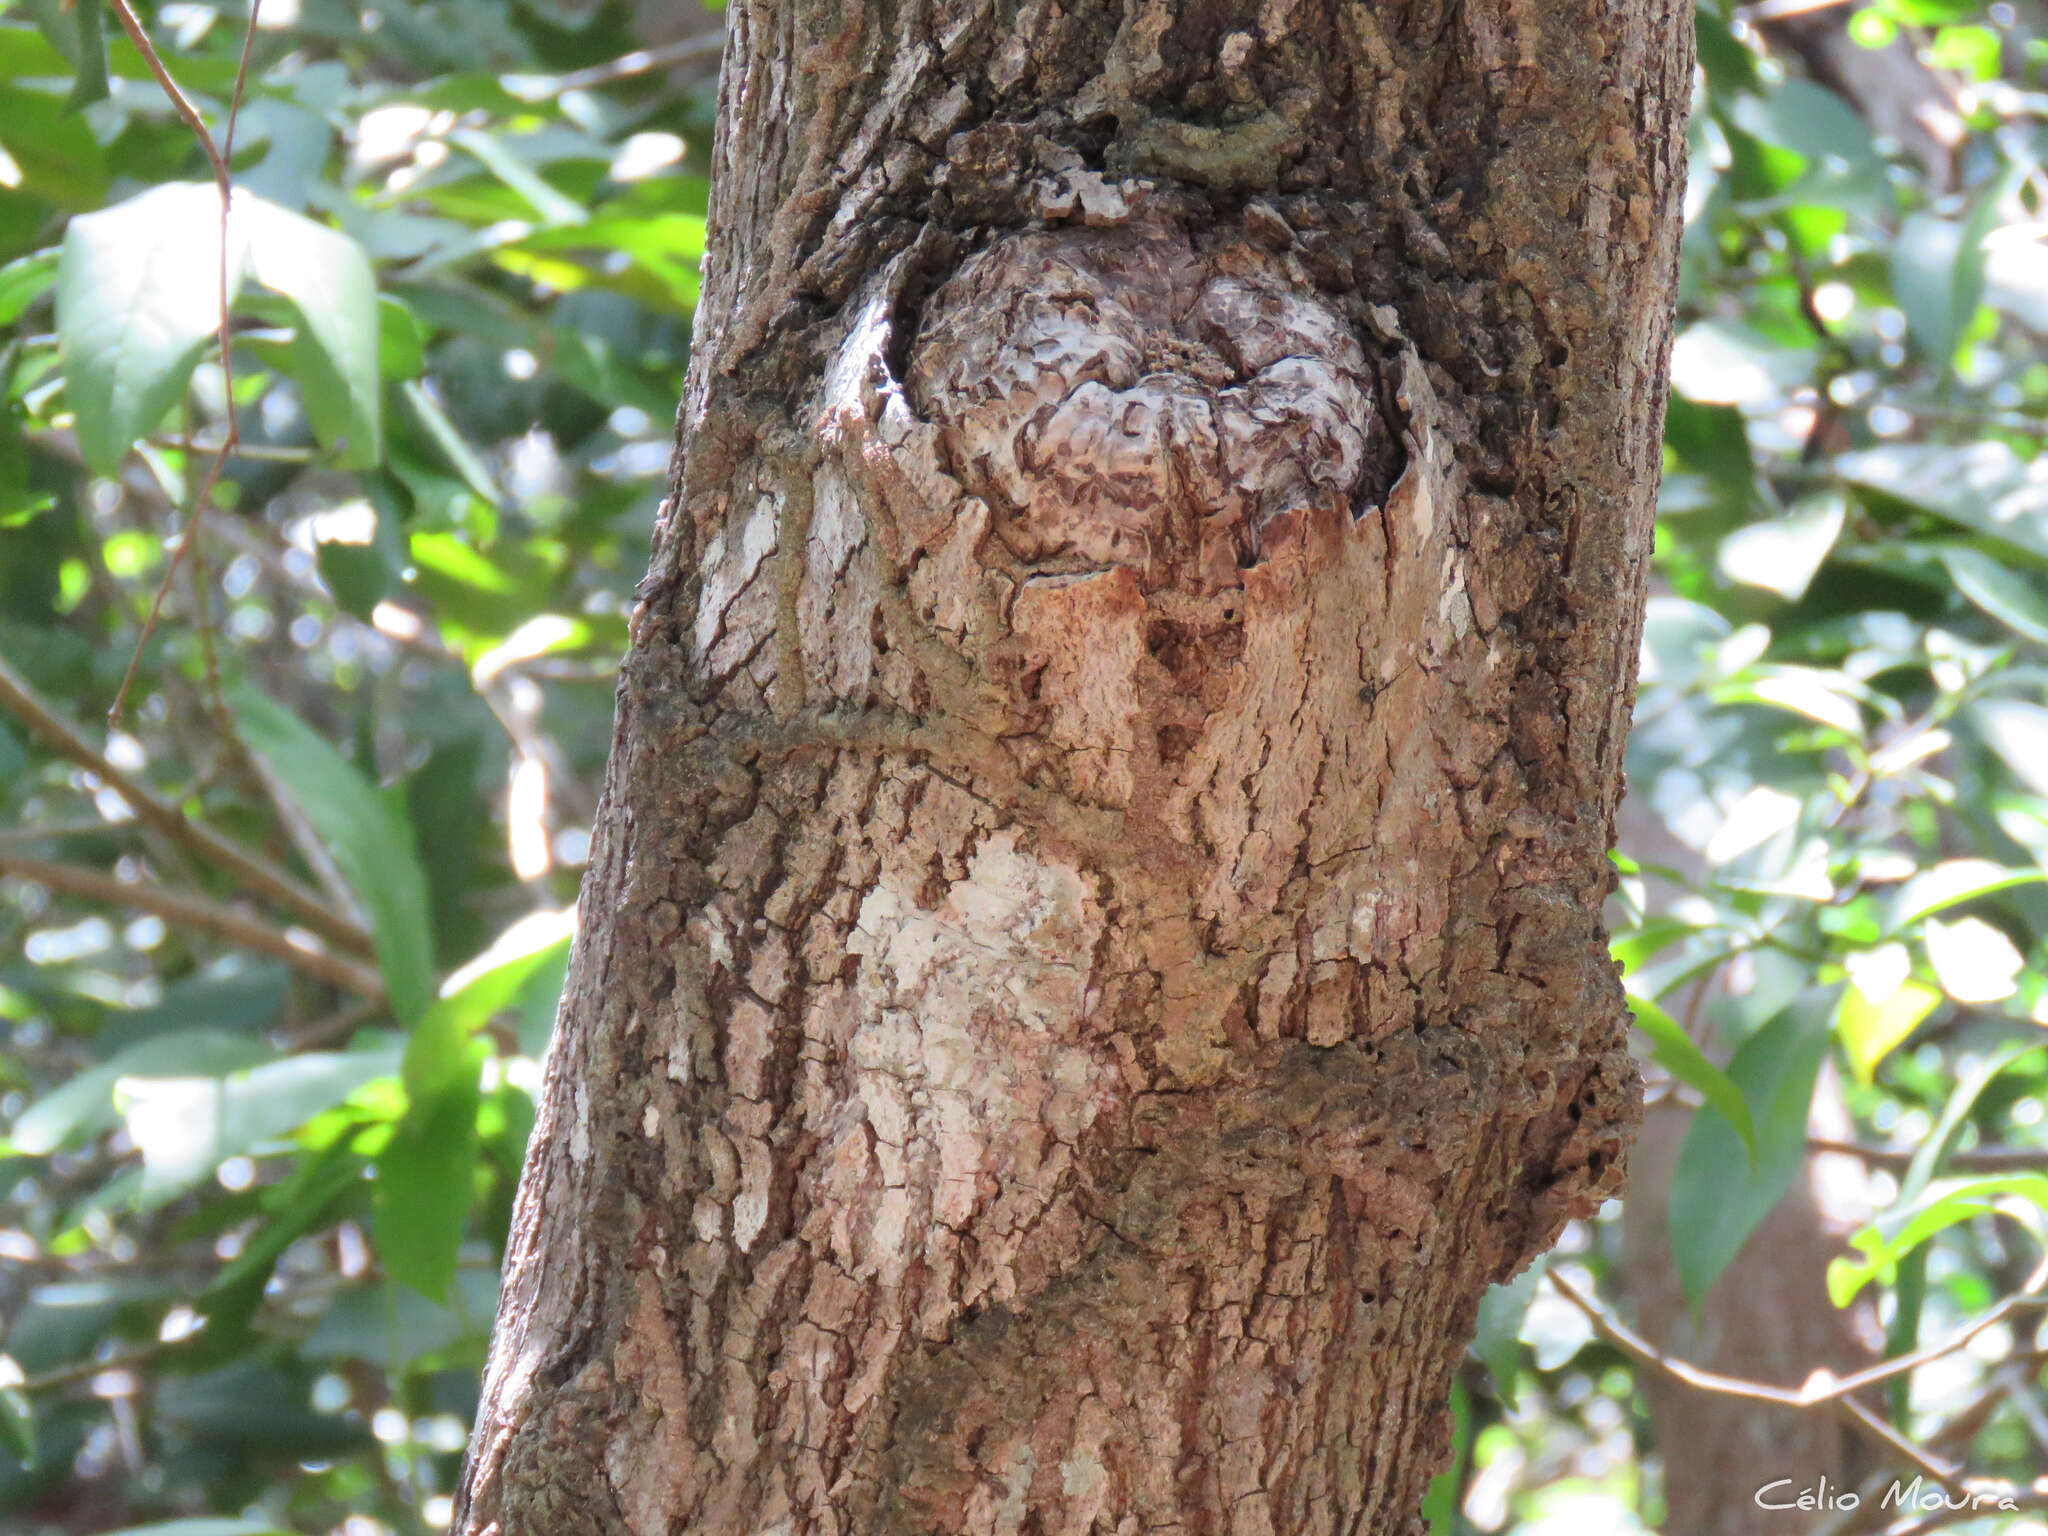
(1830, 898)
(262, 1119)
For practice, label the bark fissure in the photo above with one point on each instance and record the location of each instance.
(1090, 961)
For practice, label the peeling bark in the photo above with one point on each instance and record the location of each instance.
(1091, 959)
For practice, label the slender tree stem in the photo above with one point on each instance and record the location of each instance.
(231, 439)
(200, 914)
(1821, 1391)
(262, 878)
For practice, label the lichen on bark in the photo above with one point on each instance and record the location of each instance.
(1090, 962)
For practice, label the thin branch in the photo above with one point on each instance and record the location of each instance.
(85, 1370)
(1847, 1409)
(261, 877)
(225, 182)
(200, 914)
(1775, 10)
(642, 60)
(255, 452)
(1636, 1347)
(1823, 1387)
(1878, 1431)
(55, 831)
(1940, 1519)
(1976, 1160)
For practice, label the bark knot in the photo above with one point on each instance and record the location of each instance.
(1126, 398)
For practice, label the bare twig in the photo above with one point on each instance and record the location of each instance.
(642, 60)
(261, 877)
(1823, 1387)
(85, 1370)
(1976, 1160)
(1774, 10)
(199, 913)
(1940, 1519)
(1822, 1392)
(232, 438)
(55, 831)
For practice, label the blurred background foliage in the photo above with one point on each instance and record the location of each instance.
(279, 953)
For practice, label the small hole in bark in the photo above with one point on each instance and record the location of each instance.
(1175, 742)
(1167, 643)
(1557, 354)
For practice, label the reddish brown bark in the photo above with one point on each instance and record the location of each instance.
(1091, 958)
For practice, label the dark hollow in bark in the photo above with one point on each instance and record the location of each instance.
(1090, 962)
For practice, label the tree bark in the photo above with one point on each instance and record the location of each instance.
(1091, 957)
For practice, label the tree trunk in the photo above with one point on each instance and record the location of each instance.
(1091, 957)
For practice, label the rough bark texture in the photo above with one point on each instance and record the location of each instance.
(1091, 961)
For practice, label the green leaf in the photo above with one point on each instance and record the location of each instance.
(1807, 119)
(1783, 554)
(1949, 884)
(24, 280)
(1729, 65)
(233, 995)
(91, 84)
(60, 160)
(1637, 947)
(1676, 1053)
(187, 1126)
(63, 1323)
(252, 1405)
(1498, 1340)
(437, 1055)
(1981, 486)
(1718, 1195)
(1955, 1116)
(328, 277)
(77, 31)
(1909, 1292)
(1722, 362)
(17, 1425)
(1974, 51)
(1440, 1502)
(2018, 733)
(1928, 13)
(1889, 1239)
(426, 1181)
(137, 302)
(1870, 1028)
(85, 1106)
(370, 843)
(2011, 596)
(393, 1327)
(361, 575)
(401, 342)
(303, 1201)
(444, 436)
(1935, 282)
(504, 162)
